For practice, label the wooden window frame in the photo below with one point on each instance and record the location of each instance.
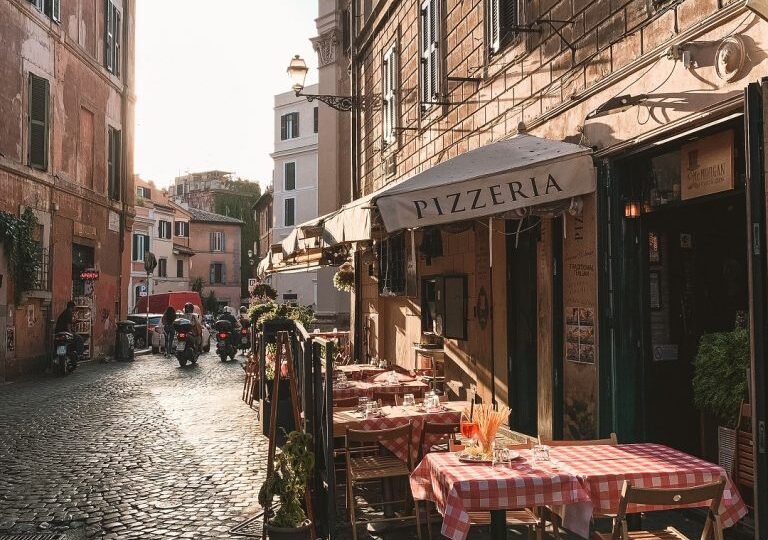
(390, 102)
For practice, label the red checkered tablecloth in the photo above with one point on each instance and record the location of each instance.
(458, 488)
(603, 470)
(395, 417)
(580, 478)
(362, 388)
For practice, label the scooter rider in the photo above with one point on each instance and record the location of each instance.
(197, 328)
(229, 316)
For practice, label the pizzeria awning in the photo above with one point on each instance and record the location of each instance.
(494, 179)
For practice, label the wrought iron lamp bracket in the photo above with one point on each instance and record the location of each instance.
(340, 103)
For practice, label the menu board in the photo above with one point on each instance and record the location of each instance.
(580, 335)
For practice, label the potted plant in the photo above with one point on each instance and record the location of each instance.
(344, 278)
(720, 383)
(288, 482)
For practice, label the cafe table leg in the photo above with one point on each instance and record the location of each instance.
(498, 524)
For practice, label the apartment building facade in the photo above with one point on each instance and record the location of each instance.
(198, 189)
(66, 153)
(161, 227)
(215, 240)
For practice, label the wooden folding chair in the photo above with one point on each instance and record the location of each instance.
(445, 431)
(549, 513)
(672, 497)
(368, 461)
(345, 402)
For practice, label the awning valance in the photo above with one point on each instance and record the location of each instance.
(494, 179)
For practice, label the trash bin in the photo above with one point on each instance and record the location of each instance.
(124, 341)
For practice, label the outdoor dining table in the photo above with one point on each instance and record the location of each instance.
(359, 372)
(396, 416)
(366, 389)
(578, 479)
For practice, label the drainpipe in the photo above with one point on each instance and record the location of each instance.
(124, 119)
(355, 191)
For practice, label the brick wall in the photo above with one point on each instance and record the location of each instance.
(535, 75)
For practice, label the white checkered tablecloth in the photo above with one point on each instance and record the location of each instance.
(458, 488)
(581, 478)
(362, 388)
(604, 468)
(398, 416)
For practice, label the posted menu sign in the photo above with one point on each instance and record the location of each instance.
(707, 166)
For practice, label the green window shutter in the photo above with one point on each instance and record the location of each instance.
(108, 37)
(509, 19)
(316, 118)
(283, 127)
(135, 247)
(146, 245)
(116, 30)
(114, 164)
(39, 93)
(295, 125)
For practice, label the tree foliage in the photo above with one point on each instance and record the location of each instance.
(211, 303)
(237, 201)
(22, 251)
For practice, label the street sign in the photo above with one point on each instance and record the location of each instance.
(89, 275)
(252, 283)
(142, 290)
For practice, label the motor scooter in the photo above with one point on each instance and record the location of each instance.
(184, 342)
(65, 359)
(224, 346)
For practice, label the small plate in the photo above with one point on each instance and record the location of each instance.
(473, 459)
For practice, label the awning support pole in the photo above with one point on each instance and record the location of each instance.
(490, 288)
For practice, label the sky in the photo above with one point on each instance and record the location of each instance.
(206, 79)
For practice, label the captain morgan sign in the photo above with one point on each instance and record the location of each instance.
(706, 166)
(487, 196)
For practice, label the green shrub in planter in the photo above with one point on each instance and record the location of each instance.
(288, 482)
(720, 367)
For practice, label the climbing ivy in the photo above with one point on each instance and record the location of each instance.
(237, 202)
(22, 252)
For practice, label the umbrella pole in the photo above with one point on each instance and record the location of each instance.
(490, 288)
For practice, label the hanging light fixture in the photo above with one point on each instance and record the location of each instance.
(631, 209)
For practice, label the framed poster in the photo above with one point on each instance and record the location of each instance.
(580, 335)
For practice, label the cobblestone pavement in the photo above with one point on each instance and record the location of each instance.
(130, 450)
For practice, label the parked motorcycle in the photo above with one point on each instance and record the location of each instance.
(224, 342)
(65, 360)
(184, 342)
(245, 336)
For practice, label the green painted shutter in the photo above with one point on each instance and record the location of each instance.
(108, 37)
(116, 41)
(135, 247)
(295, 125)
(508, 21)
(38, 122)
(283, 127)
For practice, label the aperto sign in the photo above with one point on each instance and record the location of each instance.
(89, 275)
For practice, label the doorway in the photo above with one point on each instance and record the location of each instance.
(696, 279)
(522, 327)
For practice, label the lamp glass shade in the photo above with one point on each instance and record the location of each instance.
(297, 71)
(631, 210)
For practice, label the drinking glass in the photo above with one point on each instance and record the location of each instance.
(362, 401)
(501, 456)
(541, 454)
(409, 400)
(468, 430)
(383, 364)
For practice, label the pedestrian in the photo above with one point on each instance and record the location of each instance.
(168, 317)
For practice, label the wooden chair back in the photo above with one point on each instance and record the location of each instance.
(610, 441)
(672, 497)
(370, 441)
(345, 402)
(449, 430)
(744, 458)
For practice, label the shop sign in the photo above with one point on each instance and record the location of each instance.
(665, 353)
(707, 165)
(89, 275)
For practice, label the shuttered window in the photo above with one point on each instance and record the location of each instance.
(502, 18)
(140, 246)
(112, 38)
(289, 126)
(315, 112)
(164, 229)
(218, 273)
(389, 95)
(290, 176)
(114, 163)
(217, 241)
(289, 217)
(179, 267)
(39, 96)
(52, 8)
(430, 53)
(181, 228)
(162, 268)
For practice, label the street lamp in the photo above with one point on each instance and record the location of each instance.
(297, 71)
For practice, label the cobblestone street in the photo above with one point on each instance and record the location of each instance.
(130, 450)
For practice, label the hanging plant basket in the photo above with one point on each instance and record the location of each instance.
(344, 278)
